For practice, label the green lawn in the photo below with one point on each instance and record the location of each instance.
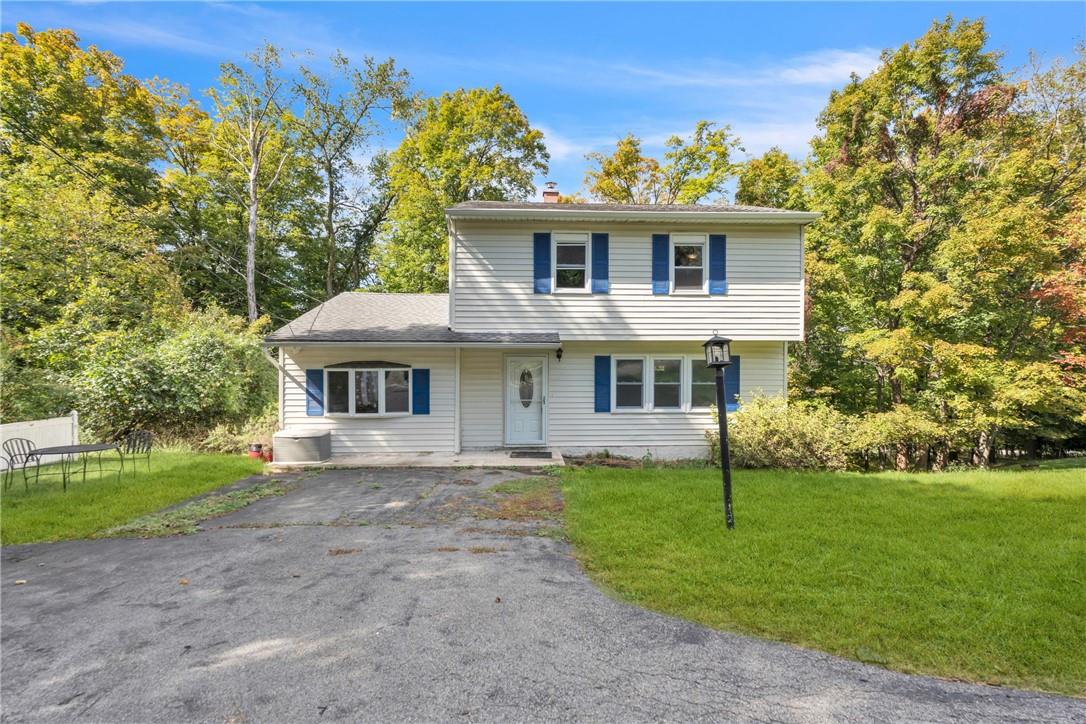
(47, 513)
(973, 575)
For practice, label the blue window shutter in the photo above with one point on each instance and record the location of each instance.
(314, 392)
(541, 242)
(600, 282)
(420, 392)
(660, 273)
(731, 385)
(603, 383)
(718, 264)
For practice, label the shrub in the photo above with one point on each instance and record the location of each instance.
(207, 371)
(235, 437)
(768, 433)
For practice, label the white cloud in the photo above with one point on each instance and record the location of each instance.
(822, 68)
(829, 67)
(563, 147)
(145, 34)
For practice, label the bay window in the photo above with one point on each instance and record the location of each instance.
(368, 390)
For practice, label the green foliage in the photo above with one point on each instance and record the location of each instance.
(235, 437)
(694, 169)
(947, 192)
(460, 146)
(773, 180)
(206, 371)
(766, 432)
(81, 103)
(336, 128)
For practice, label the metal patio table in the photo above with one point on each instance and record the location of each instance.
(68, 453)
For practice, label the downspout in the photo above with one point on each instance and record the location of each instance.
(456, 409)
(280, 366)
(450, 227)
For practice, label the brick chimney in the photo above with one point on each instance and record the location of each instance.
(550, 193)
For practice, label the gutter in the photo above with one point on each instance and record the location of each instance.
(767, 217)
(453, 345)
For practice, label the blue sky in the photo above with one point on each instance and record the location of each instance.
(585, 74)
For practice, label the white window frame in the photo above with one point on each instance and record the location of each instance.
(648, 383)
(381, 412)
(689, 386)
(689, 391)
(686, 239)
(568, 240)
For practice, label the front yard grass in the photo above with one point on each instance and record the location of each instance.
(973, 575)
(47, 513)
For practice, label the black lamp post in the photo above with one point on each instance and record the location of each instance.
(718, 356)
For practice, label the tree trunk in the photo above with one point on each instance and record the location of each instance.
(985, 448)
(250, 246)
(901, 457)
(902, 453)
(942, 456)
(330, 234)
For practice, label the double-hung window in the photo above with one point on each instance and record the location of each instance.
(629, 383)
(688, 263)
(368, 391)
(702, 385)
(667, 380)
(648, 383)
(571, 254)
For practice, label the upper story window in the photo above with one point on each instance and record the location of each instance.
(376, 391)
(688, 255)
(571, 252)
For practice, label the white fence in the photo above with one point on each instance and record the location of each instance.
(44, 433)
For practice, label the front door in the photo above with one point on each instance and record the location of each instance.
(525, 397)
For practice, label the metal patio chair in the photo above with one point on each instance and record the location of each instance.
(19, 453)
(136, 444)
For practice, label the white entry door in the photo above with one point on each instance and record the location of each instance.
(525, 399)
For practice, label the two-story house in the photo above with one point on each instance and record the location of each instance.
(576, 327)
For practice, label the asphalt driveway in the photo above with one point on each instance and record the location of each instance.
(388, 595)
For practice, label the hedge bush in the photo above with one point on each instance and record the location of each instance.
(766, 432)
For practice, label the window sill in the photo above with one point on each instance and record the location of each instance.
(367, 415)
(657, 411)
(691, 293)
(574, 292)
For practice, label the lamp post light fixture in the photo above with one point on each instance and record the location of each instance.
(718, 355)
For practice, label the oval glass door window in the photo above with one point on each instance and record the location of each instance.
(527, 388)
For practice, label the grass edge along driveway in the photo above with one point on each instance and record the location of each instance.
(47, 513)
(972, 575)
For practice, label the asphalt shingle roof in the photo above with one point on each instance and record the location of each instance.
(373, 317)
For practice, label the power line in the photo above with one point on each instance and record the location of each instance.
(130, 204)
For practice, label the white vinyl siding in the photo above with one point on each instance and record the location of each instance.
(574, 426)
(481, 414)
(358, 435)
(493, 286)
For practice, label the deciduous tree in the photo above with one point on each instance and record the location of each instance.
(694, 169)
(461, 146)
